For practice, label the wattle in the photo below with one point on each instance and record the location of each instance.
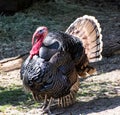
(35, 48)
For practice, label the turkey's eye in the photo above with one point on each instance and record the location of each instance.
(40, 31)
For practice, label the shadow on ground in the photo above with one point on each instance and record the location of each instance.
(14, 97)
(96, 105)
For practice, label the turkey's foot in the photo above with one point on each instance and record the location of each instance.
(46, 108)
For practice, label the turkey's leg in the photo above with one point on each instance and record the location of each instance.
(35, 96)
(44, 105)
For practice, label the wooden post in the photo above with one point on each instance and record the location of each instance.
(13, 63)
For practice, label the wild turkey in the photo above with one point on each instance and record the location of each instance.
(57, 59)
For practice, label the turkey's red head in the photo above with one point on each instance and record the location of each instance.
(37, 40)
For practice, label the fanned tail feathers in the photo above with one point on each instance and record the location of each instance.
(88, 30)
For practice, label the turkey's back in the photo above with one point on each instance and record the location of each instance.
(59, 41)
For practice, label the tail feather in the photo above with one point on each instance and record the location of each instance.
(88, 30)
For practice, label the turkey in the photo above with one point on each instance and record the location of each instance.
(57, 60)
